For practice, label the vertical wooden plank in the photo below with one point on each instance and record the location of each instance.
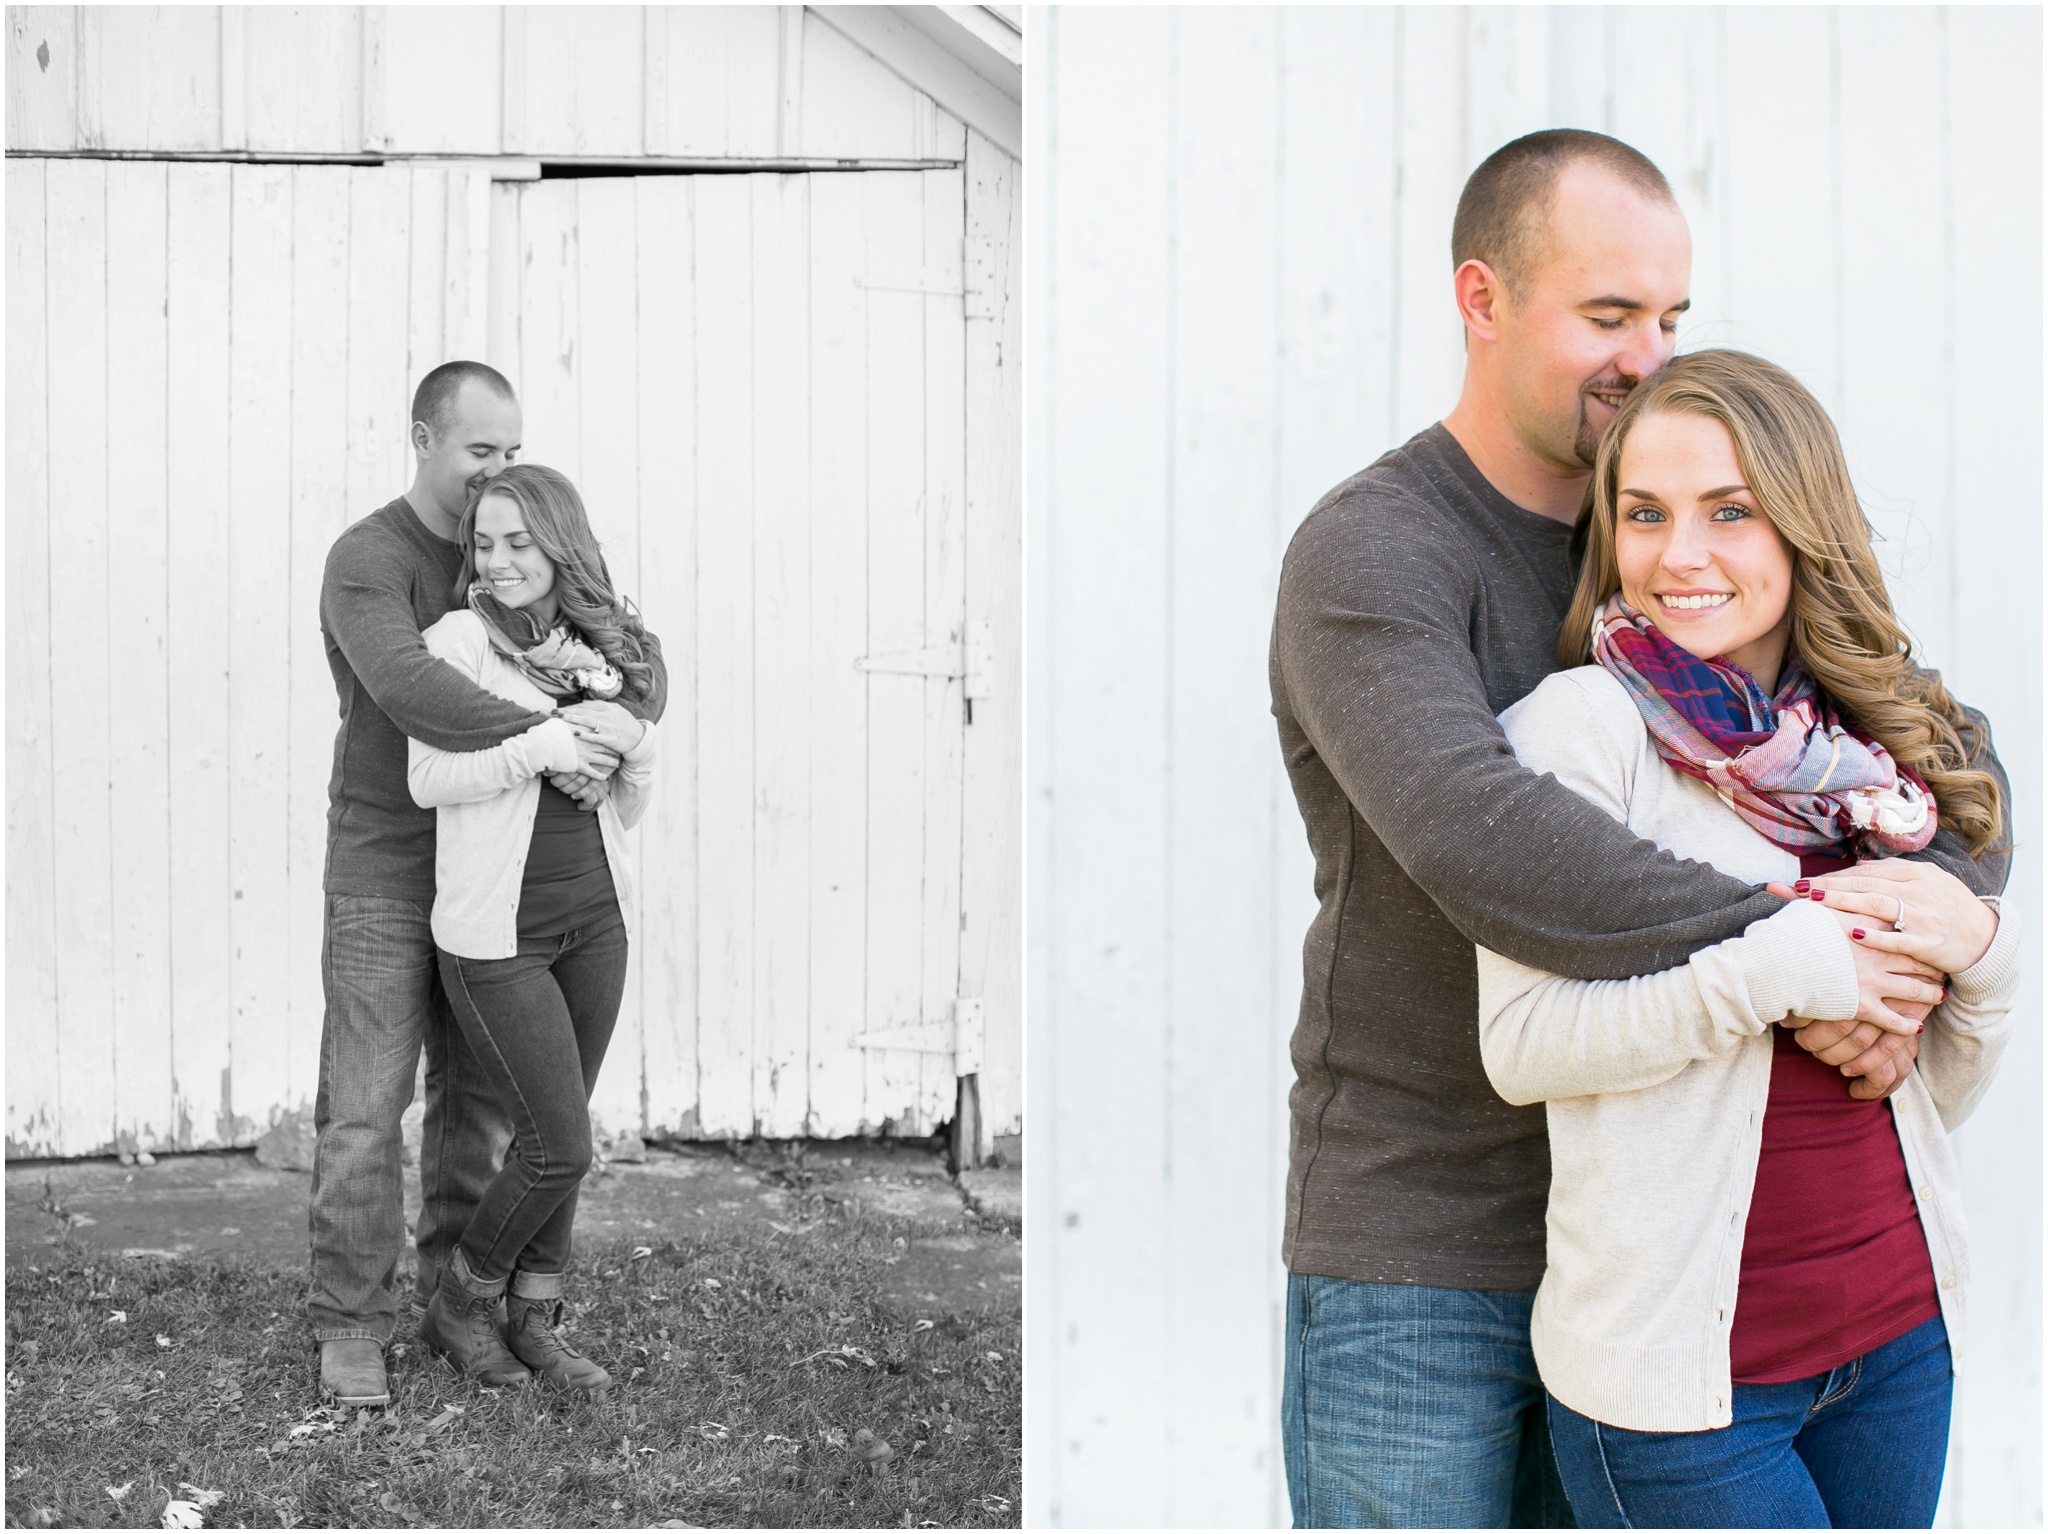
(1674, 115)
(34, 1083)
(785, 741)
(551, 375)
(426, 236)
(725, 655)
(790, 139)
(991, 859)
(898, 790)
(608, 335)
(259, 638)
(234, 77)
(42, 77)
(319, 512)
(852, 105)
(304, 79)
(654, 89)
(666, 282)
(502, 347)
(1222, 474)
(448, 77)
(724, 79)
(584, 81)
(836, 693)
(154, 73)
(466, 265)
(512, 80)
(196, 569)
(81, 743)
(1429, 356)
(1780, 92)
(944, 210)
(1992, 92)
(1045, 1409)
(372, 132)
(136, 600)
(1105, 365)
(380, 463)
(1896, 379)
(1507, 78)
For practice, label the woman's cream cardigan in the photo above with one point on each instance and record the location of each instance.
(1656, 1087)
(487, 801)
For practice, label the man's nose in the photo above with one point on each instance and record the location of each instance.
(1647, 349)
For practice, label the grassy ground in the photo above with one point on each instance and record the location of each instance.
(748, 1371)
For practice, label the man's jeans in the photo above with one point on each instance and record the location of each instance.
(539, 1022)
(384, 1000)
(1859, 1447)
(1410, 1407)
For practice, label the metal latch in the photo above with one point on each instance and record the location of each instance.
(961, 1038)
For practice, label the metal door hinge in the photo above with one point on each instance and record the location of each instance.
(961, 1037)
(974, 661)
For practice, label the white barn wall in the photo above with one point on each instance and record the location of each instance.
(1240, 231)
(790, 398)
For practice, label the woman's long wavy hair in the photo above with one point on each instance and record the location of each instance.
(1843, 625)
(583, 584)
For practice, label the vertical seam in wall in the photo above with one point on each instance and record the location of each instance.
(1951, 510)
(1277, 519)
(170, 1013)
(1837, 254)
(1049, 806)
(1172, 446)
(1399, 136)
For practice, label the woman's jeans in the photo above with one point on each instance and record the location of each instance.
(1405, 1407)
(1860, 1447)
(539, 1023)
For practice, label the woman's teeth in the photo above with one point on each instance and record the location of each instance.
(1696, 604)
(502, 582)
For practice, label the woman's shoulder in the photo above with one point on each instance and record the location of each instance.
(456, 632)
(1574, 701)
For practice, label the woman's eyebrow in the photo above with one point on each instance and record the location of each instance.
(1715, 495)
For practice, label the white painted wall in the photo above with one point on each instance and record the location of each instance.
(1240, 227)
(791, 403)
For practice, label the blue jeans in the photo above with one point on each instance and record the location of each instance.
(1411, 1407)
(380, 971)
(539, 1022)
(1859, 1447)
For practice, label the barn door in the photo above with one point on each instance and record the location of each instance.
(758, 383)
(208, 374)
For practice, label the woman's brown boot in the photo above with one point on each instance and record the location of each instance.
(530, 1329)
(462, 1326)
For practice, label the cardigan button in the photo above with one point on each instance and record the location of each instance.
(1948, 1281)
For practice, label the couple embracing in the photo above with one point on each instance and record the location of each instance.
(1658, 945)
(498, 706)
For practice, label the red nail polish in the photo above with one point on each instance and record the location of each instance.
(1820, 895)
(1920, 1028)
(1803, 886)
(1855, 932)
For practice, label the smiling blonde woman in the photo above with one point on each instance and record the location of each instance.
(1755, 1266)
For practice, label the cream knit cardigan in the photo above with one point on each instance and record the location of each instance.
(487, 801)
(1656, 1088)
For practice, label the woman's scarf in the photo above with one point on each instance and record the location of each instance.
(1786, 764)
(556, 659)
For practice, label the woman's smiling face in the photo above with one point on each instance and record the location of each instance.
(1697, 555)
(508, 561)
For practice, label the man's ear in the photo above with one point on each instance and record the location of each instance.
(422, 438)
(1481, 295)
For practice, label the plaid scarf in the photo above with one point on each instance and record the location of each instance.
(556, 659)
(1786, 764)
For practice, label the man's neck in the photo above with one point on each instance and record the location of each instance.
(1531, 482)
(432, 517)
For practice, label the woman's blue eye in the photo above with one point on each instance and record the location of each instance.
(1645, 514)
(1730, 513)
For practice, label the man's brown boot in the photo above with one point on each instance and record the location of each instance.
(462, 1327)
(530, 1328)
(352, 1372)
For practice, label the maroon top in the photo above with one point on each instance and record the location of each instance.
(1834, 1262)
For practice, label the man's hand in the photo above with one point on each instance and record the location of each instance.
(588, 792)
(607, 723)
(593, 758)
(1877, 1062)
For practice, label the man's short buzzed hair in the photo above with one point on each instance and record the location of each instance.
(1502, 210)
(435, 397)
